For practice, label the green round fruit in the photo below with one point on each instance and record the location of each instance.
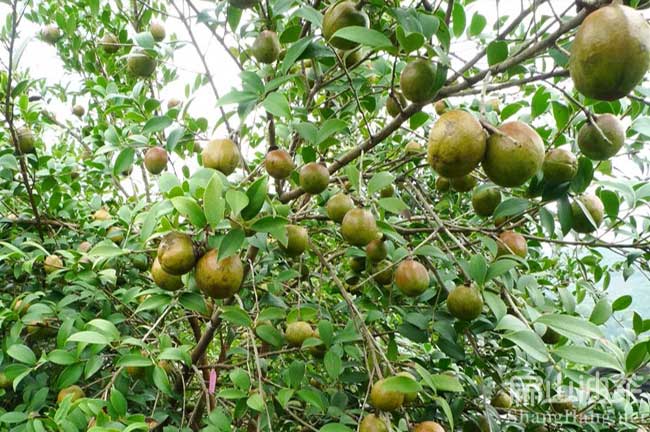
(115, 234)
(266, 48)
(314, 178)
(601, 146)
(110, 43)
(73, 392)
(176, 253)
(512, 243)
(278, 164)
(372, 423)
(387, 192)
(502, 400)
(219, 279)
(157, 30)
(50, 34)
(52, 263)
(513, 156)
(140, 64)
(383, 273)
(164, 280)
(610, 54)
(26, 139)
(297, 240)
(155, 160)
(338, 205)
(5, 382)
(357, 264)
(442, 184)
(376, 250)
(559, 166)
(562, 405)
(411, 278)
(340, 15)
(395, 103)
(457, 144)
(78, 110)
(222, 155)
(413, 148)
(594, 207)
(359, 227)
(384, 399)
(485, 200)
(462, 184)
(416, 81)
(465, 302)
(298, 332)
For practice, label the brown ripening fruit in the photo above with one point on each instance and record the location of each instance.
(457, 144)
(440, 107)
(155, 160)
(428, 426)
(52, 263)
(416, 81)
(164, 280)
(359, 227)
(219, 279)
(314, 178)
(157, 30)
(140, 64)
(594, 206)
(176, 253)
(222, 155)
(266, 48)
(610, 53)
(512, 243)
(297, 332)
(376, 250)
(465, 302)
(101, 215)
(383, 399)
(603, 139)
(372, 423)
(278, 164)
(297, 240)
(411, 278)
(73, 392)
(338, 205)
(340, 15)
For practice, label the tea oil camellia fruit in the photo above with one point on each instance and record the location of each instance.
(610, 54)
(602, 139)
(219, 279)
(157, 30)
(164, 280)
(297, 332)
(176, 253)
(457, 144)
(462, 184)
(512, 243)
(298, 240)
(428, 426)
(465, 302)
(74, 392)
(278, 164)
(110, 43)
(594, 206)
(417, 81)
(411, 278)
(413, 148)
(383, 273)
(222, 155)
(50, 34)
(409, 397)
(340, 15)
(376, 250)
(485, 200)
(559, 166)
(502, 400)
(266, 48)
(78, 110)
(514, 155)
(359, 227)
(314, 178)
(372, 423)
(383, 399)
(442, 184)
(395, 104)
(52, 263)
(155, 160)
(25, 138)
(140, 63)
(338, 205)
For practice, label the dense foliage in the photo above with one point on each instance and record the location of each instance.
(163, 268)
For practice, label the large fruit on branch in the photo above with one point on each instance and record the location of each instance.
(610, 53)
(457, 144)
(603, 138)
(513, 155)
(219, 279)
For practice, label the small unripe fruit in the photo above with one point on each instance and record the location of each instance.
(266, 48)
(297, 332)
(101, 215)
(413, 148)
(25, 138)
(463, 184)
(297, 240)
(383, 399)
(157, 30)
(372, 423)
(338, 205)
(50, 34)
(412, 278)
(502, 400)
(78, 110)
(140, 64)
(359, 227)
(559, 166)
(383, 273)
(5, 382)
(222, 155)
(387, 192)
(52, 263)
(440, 107)
(357, 264)
(465, 302)
(395, 104)
(73, 392)
(155, 160)
(512, 243)
(278, 164)
(115, 234)
(486, 200)
(416, 81)
(594, 207)
(340, 15)
(442, 184)
(173, 103)
(164, 280)
(314, 178)
(428, 426)
(603, 139)
(110, 43)
(376, 250)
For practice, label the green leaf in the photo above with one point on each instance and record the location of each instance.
(134, 360)
(335, 427)
(329, 128)
(156, 124)
(277, 104)
(477, 25)
(89, 337)
(61, 357)
(530, 343)
(293, 53)
(214, 204)
(446, 383)
(570, 326)
(161, 380)
(312, 397)
(269, 334)
(565, 215)
(237, 316)
(588, 356)
(601, 313)
(478, 269)
(188, 207)
(622, 303)
(499, 268)
(106, 249)
(497, 51)
(256, 402)
(256, 194)
(638, 355)
(496, 305)
(124, 161)
(459, 19)
(641, 125)
(333, 364)
(145, 40)
(364, 36)
(231, 243)
(392, 204)
(118, 402)
(22, 353)
(402, 384)
(237, 200)
(511, 207)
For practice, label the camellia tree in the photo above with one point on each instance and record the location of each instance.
(371, 231)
